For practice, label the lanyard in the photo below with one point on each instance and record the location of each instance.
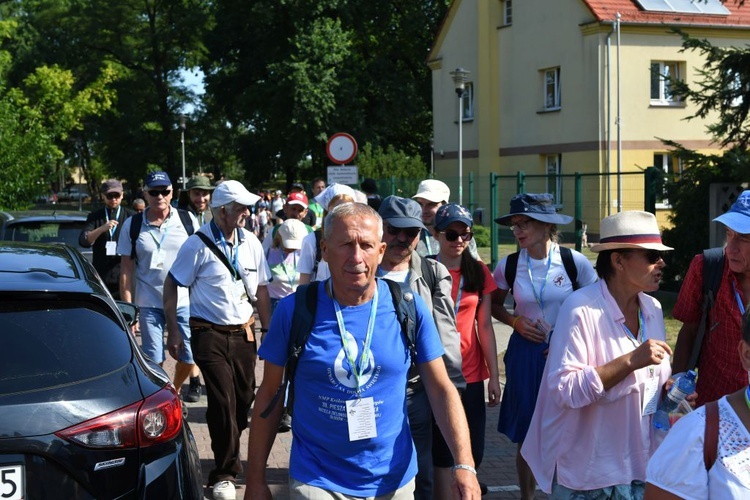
(231, 255)
(117, 217)
(641, 328)
(747, 397)
(539, 297)
(738, 298)
(165, 225)
(365, 358)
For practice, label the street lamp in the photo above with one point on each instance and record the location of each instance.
(460, 76)
(183, 119)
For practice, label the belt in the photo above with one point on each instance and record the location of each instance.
(200, 323)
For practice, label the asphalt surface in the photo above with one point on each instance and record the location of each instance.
(498, 470)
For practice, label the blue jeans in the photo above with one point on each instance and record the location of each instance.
(153, 321)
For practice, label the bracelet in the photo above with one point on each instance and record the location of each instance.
(465, 467)
(513, 325)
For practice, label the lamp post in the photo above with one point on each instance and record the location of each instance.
(460, 76)
(183, 119)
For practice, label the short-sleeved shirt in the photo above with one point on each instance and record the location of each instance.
(284, 271)
(155, 244)
(557, 288)
(322, 454)
(678, 467)
(473, 364)
(108, 266)
(721, 372)
(306, 262)
(212, 287)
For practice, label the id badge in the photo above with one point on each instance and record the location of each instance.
(157, 260)
(111, 248)
(360, 417)
(650, 396)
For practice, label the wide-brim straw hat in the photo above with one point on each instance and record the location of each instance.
(535, 206)
(632, 229)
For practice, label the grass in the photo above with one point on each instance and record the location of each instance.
(666, 298)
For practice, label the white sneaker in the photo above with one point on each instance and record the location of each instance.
(224, 490)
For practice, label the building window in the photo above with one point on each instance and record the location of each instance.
(553, 167)
(507, 12)
(663, 75)
(468, 102)
(551, 89)
(672, 169)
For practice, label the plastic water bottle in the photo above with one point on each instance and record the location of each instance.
(682, 387)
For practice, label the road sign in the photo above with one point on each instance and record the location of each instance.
(343, 175)
(341, 148)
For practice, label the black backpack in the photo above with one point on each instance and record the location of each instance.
(303, 320)
(137, 221)
(713, 268)
(566, 255)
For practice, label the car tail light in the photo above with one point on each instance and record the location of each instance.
(156, 419)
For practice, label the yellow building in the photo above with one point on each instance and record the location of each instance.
(549, 79)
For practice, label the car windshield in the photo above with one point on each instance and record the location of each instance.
(47, 343)
(45, 232)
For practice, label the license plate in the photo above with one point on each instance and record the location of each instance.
(12, 484)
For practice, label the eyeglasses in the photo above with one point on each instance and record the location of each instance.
(652, 256)
(157, 192)
(113, 196)
(520, 225)
(452, 235)
(410, 232)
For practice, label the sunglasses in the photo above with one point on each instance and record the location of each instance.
(652, 256)
(411, 232)
(113, 196)
(452, 235)
(157, 192)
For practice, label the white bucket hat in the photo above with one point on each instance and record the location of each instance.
(433, 190)
(632, 229)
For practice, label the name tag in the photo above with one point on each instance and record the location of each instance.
(360, 417)
(111, 248)
(650, 396)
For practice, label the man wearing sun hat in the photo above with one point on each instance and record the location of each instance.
(101, 232)
(294, 208)
(402, 224)
(225, 269)
(721, 372)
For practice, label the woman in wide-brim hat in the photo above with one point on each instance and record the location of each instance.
(539, 286)
(608, 362)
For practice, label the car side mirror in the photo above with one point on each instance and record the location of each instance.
(129, 311)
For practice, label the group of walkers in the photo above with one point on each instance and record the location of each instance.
(376, 333)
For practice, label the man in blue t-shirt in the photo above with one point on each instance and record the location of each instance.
(351, 432)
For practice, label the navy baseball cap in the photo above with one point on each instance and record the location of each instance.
(401, 212)
(157, 179)
(535, 206)
(737, 218)
(450, 213)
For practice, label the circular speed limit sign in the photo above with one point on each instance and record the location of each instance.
(341, 148)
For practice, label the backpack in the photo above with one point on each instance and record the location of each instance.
(318, 252)
(713, 268)
(303, 320)
(567, 259)
(137, 221)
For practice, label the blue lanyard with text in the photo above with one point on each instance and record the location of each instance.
(738, 298)
(228, 249)
(117, 217)
(164, 224)
(641, 328)
(540, 297)
(365, 358)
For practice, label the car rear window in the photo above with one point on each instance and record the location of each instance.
(45, 232)
(50, 343)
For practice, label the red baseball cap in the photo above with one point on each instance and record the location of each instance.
(297, 199)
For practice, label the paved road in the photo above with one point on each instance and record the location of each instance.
(497, 470)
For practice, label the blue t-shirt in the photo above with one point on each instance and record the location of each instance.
(322, 454)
